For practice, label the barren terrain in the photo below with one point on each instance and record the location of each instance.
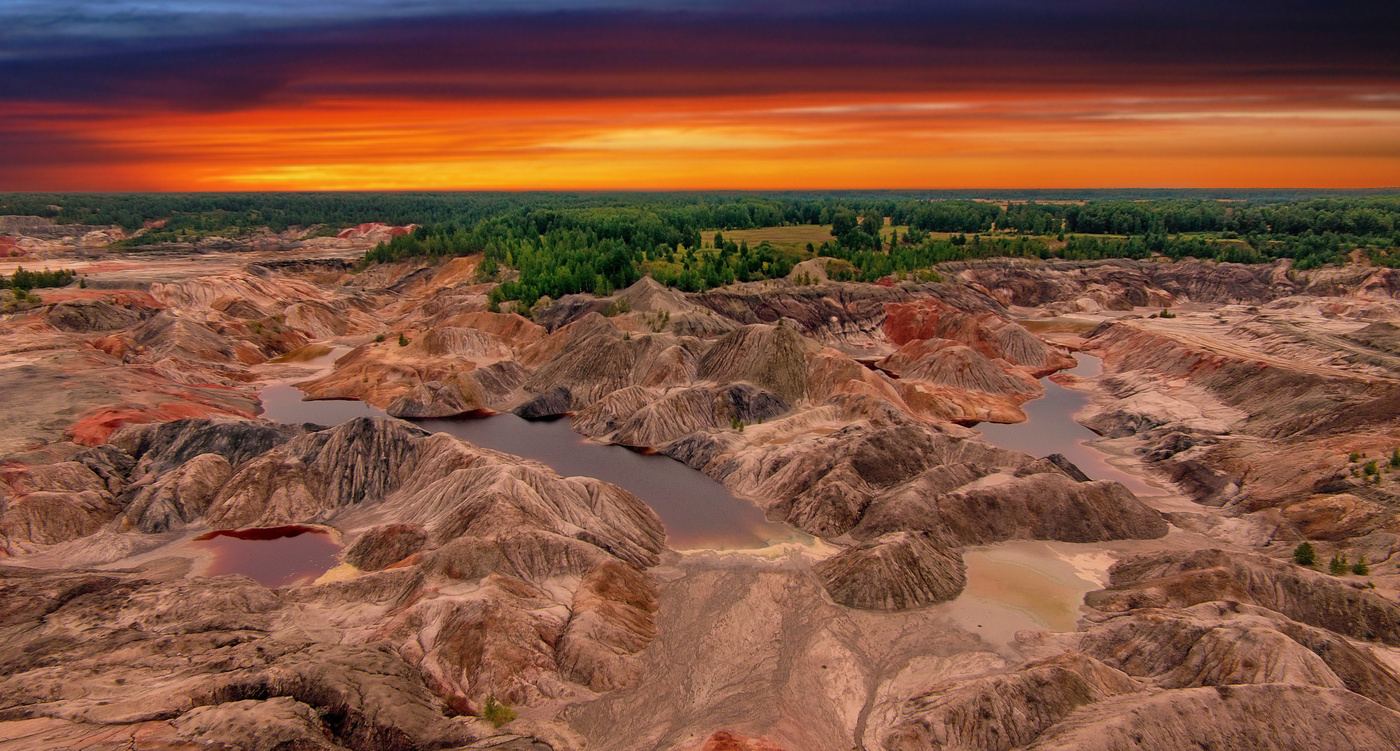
(954, 594)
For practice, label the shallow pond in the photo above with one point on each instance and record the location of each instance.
(697, 511)
(273, 557)
(1024, 585)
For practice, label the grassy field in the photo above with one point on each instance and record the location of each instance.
(795, 238)
(788, 239)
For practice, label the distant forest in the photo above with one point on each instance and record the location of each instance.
(553, 244)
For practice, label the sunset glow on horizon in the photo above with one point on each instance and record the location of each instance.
(710, 97)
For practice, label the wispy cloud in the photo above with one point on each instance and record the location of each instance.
(500, 93)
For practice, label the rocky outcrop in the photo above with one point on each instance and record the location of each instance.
(159, 448)
(82, 394)
(84, 316)
(1280, 399)
(197, 660)
(1124, 284)
(381, 547)
(462, 393)
(52, 503)
(1338, 517)
(1186, 579)
(46, 518)
(641, 417)
(491, 500)
(1068, 467)
(552, 403)
(1045, 506)
(168, 335)
(497, 643)
(896, 571)
(823, 483)
(771, 357)
(612, 618)
(432, 399)
(256, 286)
(179, 496)
(592, 358)
(944, 363)
(1273, 717)
(989, 334)
(281, 722)
(1226, 643)
(1003, 712)
(828, 312)
(362, 459)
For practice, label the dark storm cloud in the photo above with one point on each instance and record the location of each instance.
(23, 148)
(705, 49)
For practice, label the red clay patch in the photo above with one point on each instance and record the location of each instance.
(129, 298)
(96, 428)
(116, 346)
(724, 740)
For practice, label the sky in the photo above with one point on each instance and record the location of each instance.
(213, 95)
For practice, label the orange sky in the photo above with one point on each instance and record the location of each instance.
(824, 95)
(1048, 140)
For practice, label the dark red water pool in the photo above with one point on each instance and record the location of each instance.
(272, 556)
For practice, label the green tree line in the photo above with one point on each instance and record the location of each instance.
(25, 280)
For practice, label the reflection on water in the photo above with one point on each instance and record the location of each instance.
(274, 556)
(697, 511)
(1023, 585)
(1050, 429)
(282, 403)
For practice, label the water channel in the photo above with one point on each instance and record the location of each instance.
(1050, 429)
(697, 511)
(1011, 586)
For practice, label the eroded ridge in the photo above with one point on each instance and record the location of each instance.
(472, 581)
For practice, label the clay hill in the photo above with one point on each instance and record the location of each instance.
(483, 601)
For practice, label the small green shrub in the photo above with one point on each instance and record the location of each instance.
(379, 338)
(1353, 458)
(1305, 555)
(496, 713)
(1360, 568)
(1166, 314)
(1395, 458)
(403, 340)
(660, 321)
(1339, 564)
